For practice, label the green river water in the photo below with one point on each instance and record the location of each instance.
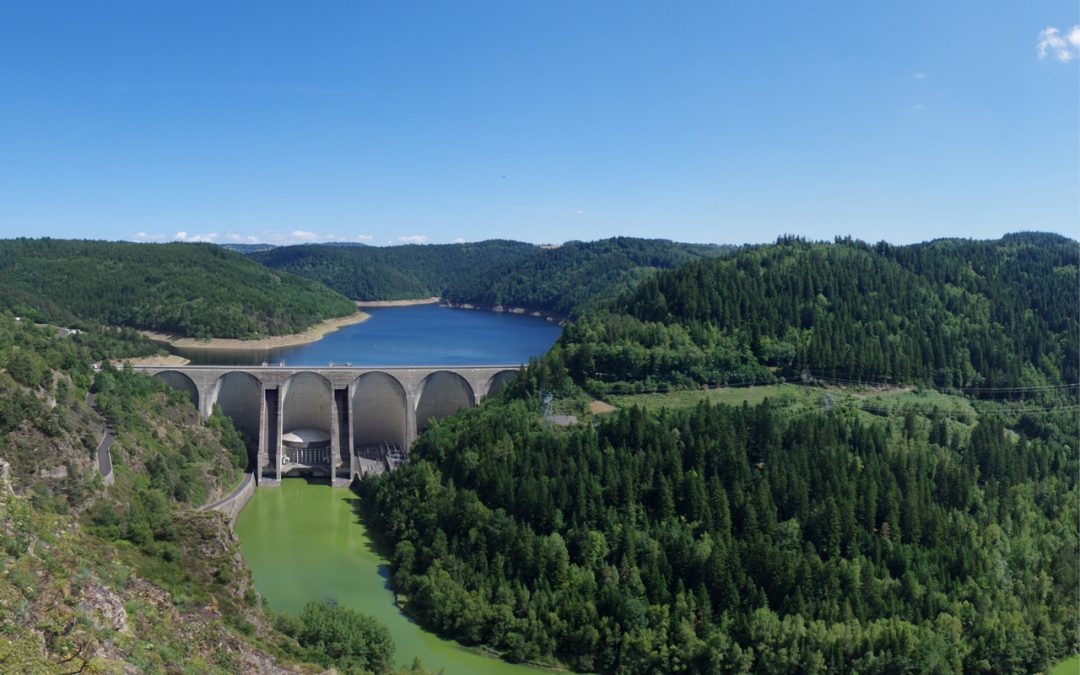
(303, 541)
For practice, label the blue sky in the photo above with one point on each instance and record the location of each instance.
(437, 122)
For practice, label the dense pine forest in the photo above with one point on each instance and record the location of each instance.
(949, 313)
(194, 290)
(935, 536)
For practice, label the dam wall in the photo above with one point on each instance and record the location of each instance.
(316, 420)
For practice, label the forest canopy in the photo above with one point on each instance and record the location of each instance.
(194, 290)
(950, 313)
(930, 538)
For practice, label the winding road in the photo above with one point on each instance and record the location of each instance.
(248, 477)
(104, 459)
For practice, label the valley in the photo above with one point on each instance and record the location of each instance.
(741, 489)
(383, 338)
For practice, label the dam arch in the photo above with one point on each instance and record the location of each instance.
(307, 423)
(306, 402)
(240, 396)
(379, 411)
(500, 380)
(181, 382)
(440, 395)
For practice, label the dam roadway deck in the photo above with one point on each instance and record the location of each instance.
(314, 419)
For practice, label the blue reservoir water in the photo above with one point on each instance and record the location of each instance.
(419, 335)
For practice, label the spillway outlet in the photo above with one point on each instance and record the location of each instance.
(305, 448)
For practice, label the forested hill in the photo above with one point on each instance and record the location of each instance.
(906, 531)
(560, 280)
(575, 276)
(391, 272)
(196, 290)
(952, 313)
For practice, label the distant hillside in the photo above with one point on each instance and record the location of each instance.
(951, 312)
(196, 290)
(391, 272)
(247, 249)
(488, 273)
(575, 276)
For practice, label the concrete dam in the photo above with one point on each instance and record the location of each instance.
(338, 422)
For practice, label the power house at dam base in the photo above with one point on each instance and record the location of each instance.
(341, 423)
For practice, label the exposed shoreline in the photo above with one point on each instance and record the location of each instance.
(398, 303)
(500, 309)
(312, 334)
(442, 302)
(161, 360)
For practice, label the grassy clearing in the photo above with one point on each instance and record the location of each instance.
(1070, 666)
(798, 398)
(688, 398)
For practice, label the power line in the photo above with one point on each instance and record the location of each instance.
(842, 382)
(969, 390)
(960, 413)
(891, 412)
(874, 408)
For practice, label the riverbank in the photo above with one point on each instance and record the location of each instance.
(313, 334)
(305, 540)
(398, 303)
(498, 309)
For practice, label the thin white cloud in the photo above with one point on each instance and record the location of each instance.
(414, 239)
(458, 240)
(234, 238)
(919, 76)
(208, 238)
(265, 237)
(306, 237)
(1063, 48)
(919, 107)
